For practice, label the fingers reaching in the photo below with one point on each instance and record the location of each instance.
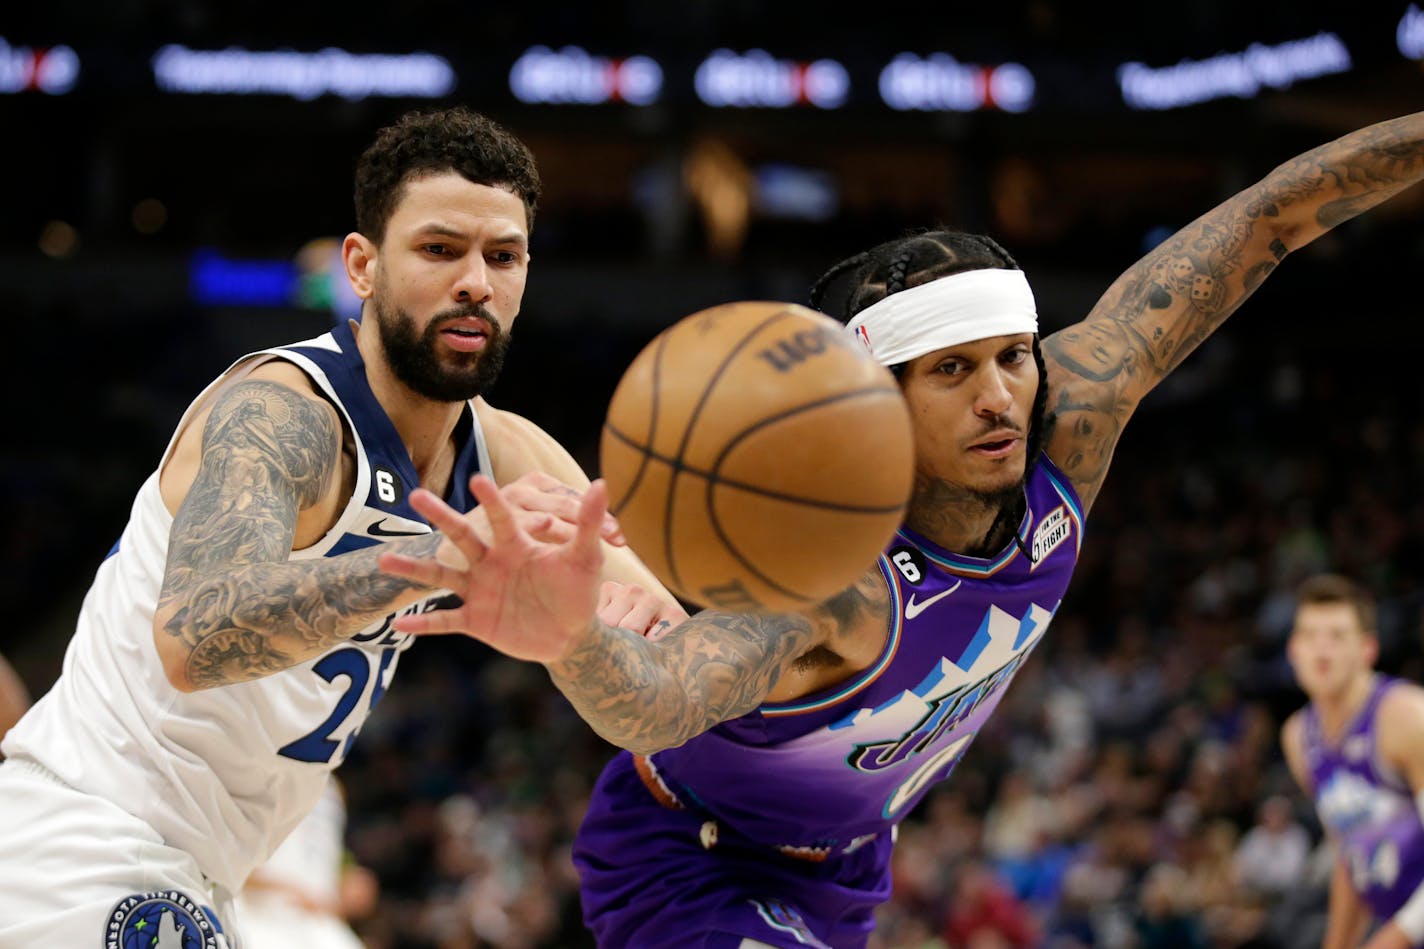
(592, 511)
(425, 571)
(447, 520)
(503, 525)
(539, 491)
(426, 624)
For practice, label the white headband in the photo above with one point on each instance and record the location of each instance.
(961, 308)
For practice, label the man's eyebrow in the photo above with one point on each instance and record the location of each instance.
(439, 230)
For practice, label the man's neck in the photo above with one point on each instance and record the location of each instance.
(1338, 710)
(425, 426)
(960, 520)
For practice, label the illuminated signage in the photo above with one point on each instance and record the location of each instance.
(573, 76)
(215, 280)
(238, 71)
(1409, 36)
(756, 79)
(53, 71)
(940, 83)
(1232, 74)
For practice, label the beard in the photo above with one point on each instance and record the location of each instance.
(415, 360)
(932, 494)
(938, 504)
(999, 497)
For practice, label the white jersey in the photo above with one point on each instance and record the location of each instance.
(226, 773)
(310, 859)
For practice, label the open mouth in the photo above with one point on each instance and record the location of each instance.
(466, 335)
(996, 447)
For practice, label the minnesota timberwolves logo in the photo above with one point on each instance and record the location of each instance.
(166, 920)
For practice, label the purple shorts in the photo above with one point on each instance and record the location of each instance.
(654, 877)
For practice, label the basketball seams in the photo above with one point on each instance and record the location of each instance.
(616, 505)
(720, 480)
(715, 480)
(716, 376)
(669, 522)
(769, 420)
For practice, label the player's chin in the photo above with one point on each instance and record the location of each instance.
(1003, 474)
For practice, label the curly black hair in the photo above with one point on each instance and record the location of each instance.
(870, 276)
(454, 139)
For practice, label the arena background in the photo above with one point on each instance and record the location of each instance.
(172, 188)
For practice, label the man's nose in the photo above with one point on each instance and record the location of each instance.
(473, 286)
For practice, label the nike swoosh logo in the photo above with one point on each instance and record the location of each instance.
(376, 530)
(914, 608)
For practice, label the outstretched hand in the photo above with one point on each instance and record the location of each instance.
(530, 599)
(537, 493)
(631, 607)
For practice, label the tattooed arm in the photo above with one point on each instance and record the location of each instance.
(1173, 298)
(538, 602)
(647, 694)
(232, 608)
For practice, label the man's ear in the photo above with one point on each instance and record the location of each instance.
(359, 255)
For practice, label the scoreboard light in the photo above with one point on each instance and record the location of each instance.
(304, 76)
(53, 71)
(756, 79)
(1409, 35)
(940, 83)
(1240, 74)
(573, 76)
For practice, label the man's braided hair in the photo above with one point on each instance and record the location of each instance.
(870, 276)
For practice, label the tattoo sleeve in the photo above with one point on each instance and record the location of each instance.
(647, 695)
(1162, 308)
(229, 594)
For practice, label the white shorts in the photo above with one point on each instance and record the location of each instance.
(77, 870)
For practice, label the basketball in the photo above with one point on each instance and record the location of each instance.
(757, 457)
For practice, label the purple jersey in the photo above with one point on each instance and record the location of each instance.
(821, 778)
(1367, 807)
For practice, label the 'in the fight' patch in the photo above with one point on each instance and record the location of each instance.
(163, 920)
(1051, 531)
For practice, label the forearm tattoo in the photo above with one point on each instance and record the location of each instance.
(648, 695)
(240, 607)
(1156, 313)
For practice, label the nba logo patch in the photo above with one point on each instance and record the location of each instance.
(864, 336)
(163, 920)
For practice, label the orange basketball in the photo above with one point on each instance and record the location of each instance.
(757, 457)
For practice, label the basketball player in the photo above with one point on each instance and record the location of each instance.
(14, 697)
(240, 632)
(770, 757)
(302, 896)
(1357, 748)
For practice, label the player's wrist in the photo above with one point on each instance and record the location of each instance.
(580, 641)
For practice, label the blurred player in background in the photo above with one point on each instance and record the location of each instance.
(14, 697)
(1357, 748)
(238, 635)
(302, 897)
(770, 757)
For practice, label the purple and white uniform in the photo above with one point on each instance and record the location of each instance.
(1368, 807)
(777, 826)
